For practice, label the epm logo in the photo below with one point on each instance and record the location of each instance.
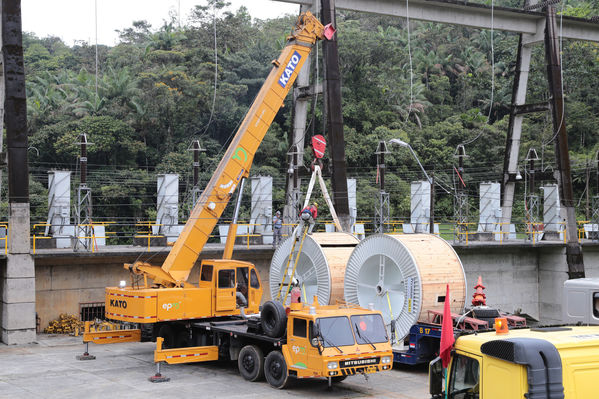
(117, 303)
(291, 65)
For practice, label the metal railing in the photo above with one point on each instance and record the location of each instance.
(149, 234)
(462, 233)
(5, 238)
(37, 237)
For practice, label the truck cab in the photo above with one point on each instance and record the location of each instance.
(536, 362)
(332, 341)
(581, 301)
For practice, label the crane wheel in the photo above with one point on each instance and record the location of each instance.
(251, 363)
(274, 319)
(275, 370)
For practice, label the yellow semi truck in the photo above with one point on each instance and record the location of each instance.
(533, 363)
(206, 320)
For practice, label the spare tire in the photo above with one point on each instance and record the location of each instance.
(274, 319)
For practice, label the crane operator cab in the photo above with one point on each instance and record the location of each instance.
(235, 284)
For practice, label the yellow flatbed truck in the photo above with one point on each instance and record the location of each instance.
(533, 363)
(312, 341)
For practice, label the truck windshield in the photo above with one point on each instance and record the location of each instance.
(335, 331)
(463, 383)
(370, 328)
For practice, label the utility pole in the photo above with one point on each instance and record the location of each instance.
(195, 191)
(292, 203)
(532, 200)
(302, 93)
(573, 249)
(460, 210)
(514, 133)
(432, 210)
(2, 99)
(381, 211)
(595, 205)
(332, 89)
(83, 209)
(587, 189)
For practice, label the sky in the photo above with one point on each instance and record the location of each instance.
(74, 19)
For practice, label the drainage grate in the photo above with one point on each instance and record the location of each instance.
(90, 311)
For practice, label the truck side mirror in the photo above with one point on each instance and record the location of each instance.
(435, 378)
(315, 330)
(315, 335)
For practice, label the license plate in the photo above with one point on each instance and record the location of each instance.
(358, 362)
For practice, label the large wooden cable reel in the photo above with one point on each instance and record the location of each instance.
(404, 276)
(320, 268)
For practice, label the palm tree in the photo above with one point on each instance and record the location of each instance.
(396, 90)
(120, 84)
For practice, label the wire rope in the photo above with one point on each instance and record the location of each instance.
(561, 38)
(215, 69)
(410, 58)
(96, 27)
(492, 75)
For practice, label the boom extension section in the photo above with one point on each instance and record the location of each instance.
(237, 160)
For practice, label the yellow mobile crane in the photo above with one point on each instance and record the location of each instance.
(171, 296)
(206, 321)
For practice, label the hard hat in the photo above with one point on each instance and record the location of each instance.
(315, 203)
(294, 281)
(278, 212)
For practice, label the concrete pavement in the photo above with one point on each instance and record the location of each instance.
(48, 369)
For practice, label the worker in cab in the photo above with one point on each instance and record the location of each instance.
(308, 215)
(277, 226)
(241, 295)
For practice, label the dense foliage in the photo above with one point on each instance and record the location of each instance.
(156, 92)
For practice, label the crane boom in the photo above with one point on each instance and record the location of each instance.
(237, 160)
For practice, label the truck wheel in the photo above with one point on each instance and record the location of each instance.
(274, 319)
(275, 370)
(168, 334)
(251, 363)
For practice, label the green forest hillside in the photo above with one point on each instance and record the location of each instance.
(161, 87)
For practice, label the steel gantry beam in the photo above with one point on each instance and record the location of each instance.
(533, 27)
(530, 23)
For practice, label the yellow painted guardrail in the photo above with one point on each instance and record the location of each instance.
(36, 237)
(460, 231)
(148, 235)
(5, 238)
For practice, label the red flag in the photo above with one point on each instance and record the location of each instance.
(447, 338)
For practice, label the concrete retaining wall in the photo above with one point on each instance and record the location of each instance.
(524, 278)
(63, 281)
(509, 275)
(518, 278)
